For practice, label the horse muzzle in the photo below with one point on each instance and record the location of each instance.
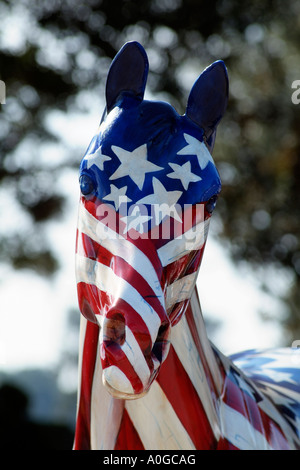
(131, 351)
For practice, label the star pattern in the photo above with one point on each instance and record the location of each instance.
(97, 158)
(163, 201)
(195, 147)
(136, 220)
(129, 165)
(135, 166)
(276, 375)
(117, 196)
(183, 173)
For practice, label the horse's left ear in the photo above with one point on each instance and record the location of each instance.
(208, 99)
(128, 73)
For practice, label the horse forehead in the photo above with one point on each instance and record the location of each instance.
(149, 154)
(155, 123)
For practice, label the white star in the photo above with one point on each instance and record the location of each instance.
(117, 195)
(195, 147)
(276, 375)
(135, 220)
(183, 173)
(133, 164)
(97, 158)
(163, 201)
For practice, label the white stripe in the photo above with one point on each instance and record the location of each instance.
(237, 430)
(181, 289)
(135, 356)
(121, 247)
(103, 277)
(106, 413)
(192, 239)
(156, 422)
(117, 380)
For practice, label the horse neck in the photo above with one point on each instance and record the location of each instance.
(184, 395)
(181, 408)
(210, 359)
(201, 362)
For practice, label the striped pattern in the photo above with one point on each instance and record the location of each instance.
(130, 279)
(224, 409)
(136, 274)
(239, 417)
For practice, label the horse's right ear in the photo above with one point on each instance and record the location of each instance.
(128, 73)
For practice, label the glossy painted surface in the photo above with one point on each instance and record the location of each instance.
(149, 377)
(149, 185)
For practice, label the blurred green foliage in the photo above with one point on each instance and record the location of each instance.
(52, 51)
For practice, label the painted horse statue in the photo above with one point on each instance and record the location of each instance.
(149, 378)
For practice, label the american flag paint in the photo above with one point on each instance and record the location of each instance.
(148, 376)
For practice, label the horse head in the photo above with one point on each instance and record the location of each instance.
(148, 188)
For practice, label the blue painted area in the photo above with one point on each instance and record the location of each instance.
(131, 123)
(276, 372)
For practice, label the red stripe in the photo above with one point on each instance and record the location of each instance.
(177, 269)
(85, 246)
(185, 401)
(176, 311)
(92, 301)
(223, 444)
(185, 265)
(82, 431)
(128, 437)
(195, 335)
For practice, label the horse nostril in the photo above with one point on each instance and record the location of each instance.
(162, 343)
(114, 328)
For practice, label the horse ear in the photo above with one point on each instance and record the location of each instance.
(208, 99)
(128, 72)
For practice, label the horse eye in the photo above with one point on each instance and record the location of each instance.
(86, 184)
(211, 204)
